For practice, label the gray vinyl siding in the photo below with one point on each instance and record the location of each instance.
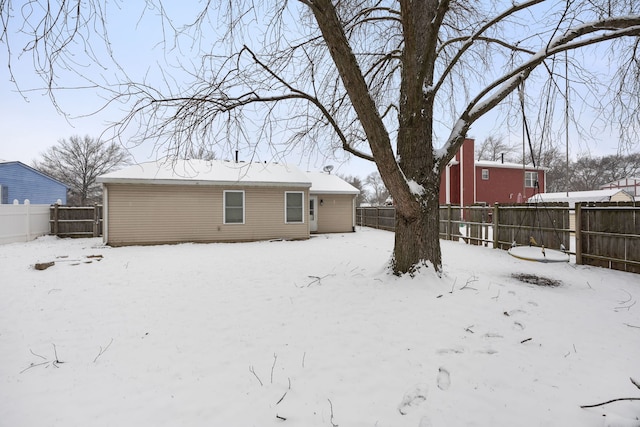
(155, 214)
(336, 213)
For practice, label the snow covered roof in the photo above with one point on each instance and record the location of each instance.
(209, 172)
(580, 196)
(632, 180)
(326, 183)
(506, 165)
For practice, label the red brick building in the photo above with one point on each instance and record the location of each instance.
(467, 181)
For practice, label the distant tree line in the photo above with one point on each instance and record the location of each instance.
(589, 173)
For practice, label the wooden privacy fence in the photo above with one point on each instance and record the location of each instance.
(547, 225)
(382, 217)
(608, 235)
(76, 221)
(605, 234)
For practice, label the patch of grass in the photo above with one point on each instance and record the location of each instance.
(536, 280)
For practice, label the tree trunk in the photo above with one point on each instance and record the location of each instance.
(417, 239)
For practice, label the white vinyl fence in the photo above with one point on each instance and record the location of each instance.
(22, 223)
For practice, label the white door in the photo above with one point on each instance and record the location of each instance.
(313, 213)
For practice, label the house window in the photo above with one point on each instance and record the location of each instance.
(234, 207)
(294, 210)
(485, 174)
(4, 194)
(531, 179)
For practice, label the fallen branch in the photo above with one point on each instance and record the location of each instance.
(46, 362)
(627, 306)
(610, 401)
(454, 285)
(275, 358)
(317, 279)
(634, 382)
(331, 419)
(102, 350)
(41, 357)
(33, 365)
(282, 398)
(55, 352)
(525, 340)
(256, 375)
(472, 279)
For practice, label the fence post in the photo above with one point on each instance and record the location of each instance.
(27, 227)
(96, 221)
(55, 219)
(449, 221)
(578, 233)
(496, 209)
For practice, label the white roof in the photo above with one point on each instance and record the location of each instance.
(576, 196)
(506, 165)
(326, 183)
(209, 172)
(218, 172)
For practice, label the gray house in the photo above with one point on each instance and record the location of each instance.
(21, 182)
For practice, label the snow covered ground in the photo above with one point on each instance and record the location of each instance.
(309, 333)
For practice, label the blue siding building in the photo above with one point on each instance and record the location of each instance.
(19, 181)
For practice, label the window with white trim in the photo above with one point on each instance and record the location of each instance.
(485, 174)
(294, 207)
(530, 179)
(233, 207)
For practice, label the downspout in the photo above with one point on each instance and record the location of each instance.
(447, 185)
(353, 210)
(461, 178)
(105, 214)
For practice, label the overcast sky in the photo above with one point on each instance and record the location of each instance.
(29, 123)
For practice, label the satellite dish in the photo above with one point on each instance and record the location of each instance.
(328, 169)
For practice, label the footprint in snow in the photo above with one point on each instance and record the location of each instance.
(444, 379)
(454, 350)
(412, 398)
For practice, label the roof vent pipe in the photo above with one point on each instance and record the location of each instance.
(501, 155)
(236, 156)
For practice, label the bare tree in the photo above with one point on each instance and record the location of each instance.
(399, 83)
(589, 173)
(77, 162)
(494, 148)
(356, 182)
(378, 193)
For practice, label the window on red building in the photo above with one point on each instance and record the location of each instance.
(485, 174)
(530, 179)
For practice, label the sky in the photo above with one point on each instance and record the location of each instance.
(30, 124)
